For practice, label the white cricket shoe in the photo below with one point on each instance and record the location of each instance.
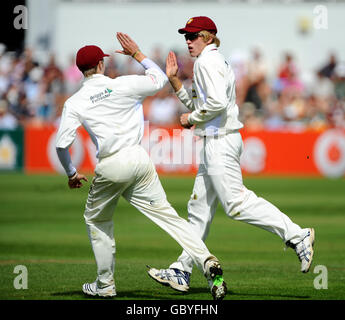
(175, 278)
(92, 290)
(304, 250)
(214, 275)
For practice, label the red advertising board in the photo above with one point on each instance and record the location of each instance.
(176, 151)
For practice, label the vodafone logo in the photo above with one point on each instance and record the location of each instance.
(329, 153)
(253, 159)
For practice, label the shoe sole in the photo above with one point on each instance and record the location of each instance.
(312, 236)
(107, 295)
(218, 291)
(168, 283)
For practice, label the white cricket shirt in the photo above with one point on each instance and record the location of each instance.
(110, 110)
(213, 97)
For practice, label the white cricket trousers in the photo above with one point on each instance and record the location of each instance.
(131, 173)
(219, 178)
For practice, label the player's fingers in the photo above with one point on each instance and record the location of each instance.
(170, 59)
(129, 40)
(173, 57)
(120, 37)
(124, 38)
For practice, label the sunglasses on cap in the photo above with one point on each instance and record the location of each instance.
(191, 36)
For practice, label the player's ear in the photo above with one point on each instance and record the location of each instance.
(100, 66)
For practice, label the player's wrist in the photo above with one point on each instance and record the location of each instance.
(135, 53)
(138, 55)
(73, 176)
(175, 82)
(189, 119)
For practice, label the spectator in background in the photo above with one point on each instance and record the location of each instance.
(329, 68)
(5, 68)
(186, 65)
(111, 68)
(52, 89)
(28, 63)
(288, 75)
(7, 120)
(32, 88)
(35, 92)
(18, 103)
(251, 117)
(157, 56)
(294, 108)
(238, 62)
(337, 116)
(257, 76)
(316, 117)
(163, 109)
(72, 76)
(323, 87)
(130, 66)
(339, 81)
(274, 114)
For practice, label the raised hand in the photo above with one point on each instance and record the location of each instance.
(128, 45)
(171, 68)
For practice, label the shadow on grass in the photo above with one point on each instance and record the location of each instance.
(137, 294)
(174, 295)
(254, 295)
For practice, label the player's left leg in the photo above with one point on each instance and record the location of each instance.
(148, 196)
(201, 208)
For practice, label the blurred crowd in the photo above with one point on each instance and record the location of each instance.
(34, 93)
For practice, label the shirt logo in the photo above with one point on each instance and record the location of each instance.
(101, 95)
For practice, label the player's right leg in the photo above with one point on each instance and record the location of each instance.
(100, 205)
(244, 205)
(105, 190)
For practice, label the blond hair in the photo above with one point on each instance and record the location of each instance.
(90, 72)
(208, 35)
(93, 70)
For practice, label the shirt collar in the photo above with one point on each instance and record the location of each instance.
(208, 48)
(94, 76)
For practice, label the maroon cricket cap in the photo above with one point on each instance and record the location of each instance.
(197, 24)
(88, 57)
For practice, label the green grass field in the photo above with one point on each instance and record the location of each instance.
(42, 228)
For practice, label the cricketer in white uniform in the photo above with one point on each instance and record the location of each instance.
(215, 115)
(111, 112)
